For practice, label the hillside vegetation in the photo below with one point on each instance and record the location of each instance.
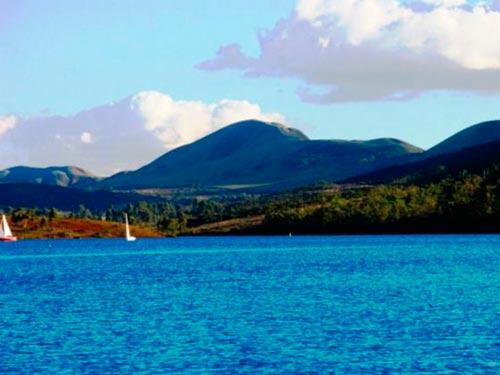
(467, 204)
(41, 227)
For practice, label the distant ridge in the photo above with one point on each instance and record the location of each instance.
(64, 198)
(55, 176)
(471, 151)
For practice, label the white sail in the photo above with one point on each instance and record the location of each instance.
(128, 237)
(5, 232)
(127, 229)
(2, 231)
(5, 227)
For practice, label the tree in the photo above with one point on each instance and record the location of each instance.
(83, 212)
(53, 214)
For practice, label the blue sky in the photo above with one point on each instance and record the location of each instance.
(102, 51)
(58, 58)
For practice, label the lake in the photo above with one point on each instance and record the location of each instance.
(252, 305)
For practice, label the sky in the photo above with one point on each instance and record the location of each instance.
(111, 85)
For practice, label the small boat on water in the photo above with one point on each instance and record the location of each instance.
(128, 237)
(5, 232)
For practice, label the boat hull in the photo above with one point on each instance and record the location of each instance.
(8, 239)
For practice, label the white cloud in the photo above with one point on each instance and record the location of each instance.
(7, 123)
(361, 20)
(467, 37)
(357, 50)
(176, 123)
(119, 136)
(230, 111)
(86, 137)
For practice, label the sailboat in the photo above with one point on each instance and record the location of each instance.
(5, 232)
(128, 237)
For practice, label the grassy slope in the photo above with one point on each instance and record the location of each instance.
(76, 228)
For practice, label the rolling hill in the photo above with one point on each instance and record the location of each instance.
(254, 153)
(258, 156)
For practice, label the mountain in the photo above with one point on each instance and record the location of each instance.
(255, 153)
(56, 176)
(484, 132)
(64, 198)
(473, 150)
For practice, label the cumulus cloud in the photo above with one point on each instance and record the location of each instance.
(7, 123)
(361, 50)
(119, 136)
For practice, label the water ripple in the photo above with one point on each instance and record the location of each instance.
(255, 305)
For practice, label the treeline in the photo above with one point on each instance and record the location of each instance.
(174, 218)
(468, 203)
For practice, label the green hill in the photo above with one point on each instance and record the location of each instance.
(475, 135)
(254, 153)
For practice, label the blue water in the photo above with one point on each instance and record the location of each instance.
(252, 305)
